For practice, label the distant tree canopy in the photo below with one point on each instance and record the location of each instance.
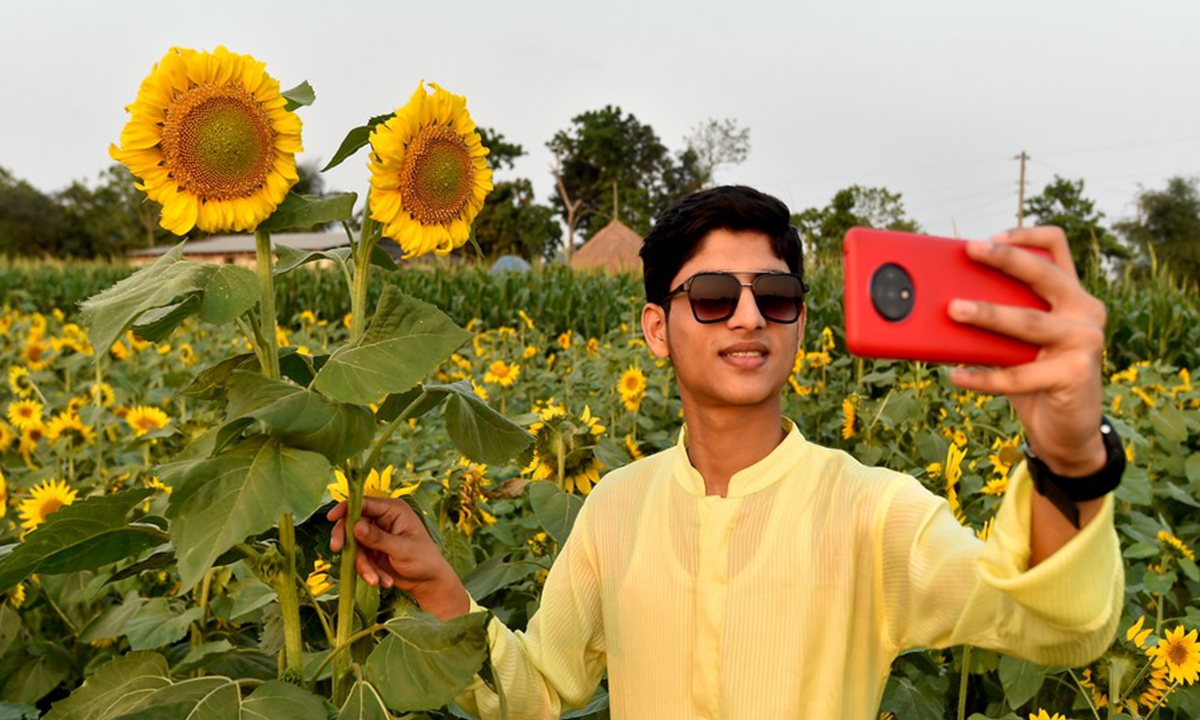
(610, 149)
(822, 229)
(1168, 225)
(1063, 205)
(512, 222)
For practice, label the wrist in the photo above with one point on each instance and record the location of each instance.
(443, 595)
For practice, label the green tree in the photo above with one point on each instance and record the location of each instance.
(1063, 205)
(29, 220)
(1168, 227)
(822, 229)
(607, 149)
(512, 222)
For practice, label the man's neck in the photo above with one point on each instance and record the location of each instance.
(722, 442)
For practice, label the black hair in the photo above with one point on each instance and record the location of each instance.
(679, 229)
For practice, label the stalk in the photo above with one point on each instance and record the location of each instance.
(348, 577)
(285, 579)
(962, 683)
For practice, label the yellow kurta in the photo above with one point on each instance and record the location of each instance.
(790, 597)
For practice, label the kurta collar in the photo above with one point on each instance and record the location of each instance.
(749, 480)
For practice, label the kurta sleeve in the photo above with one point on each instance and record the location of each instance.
(942, 586)
(557, 662)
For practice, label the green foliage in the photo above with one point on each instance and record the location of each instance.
(514, 223)
(1063, 205)
(1167, 228)
(822, 229)
(420, 646)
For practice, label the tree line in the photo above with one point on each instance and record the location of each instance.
(609, 164)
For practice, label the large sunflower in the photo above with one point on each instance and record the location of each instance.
(1179, 653)
(210, 140)
(47, 498)
(428, 173)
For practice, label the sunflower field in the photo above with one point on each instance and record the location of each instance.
(172, 438)
(75, 434)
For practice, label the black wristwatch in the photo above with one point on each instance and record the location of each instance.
(1064, 492)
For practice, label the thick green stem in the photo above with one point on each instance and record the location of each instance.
(98, 401)
(285, 579)
(289, 602)
(266, 284)
(336, 652)
(348, 578)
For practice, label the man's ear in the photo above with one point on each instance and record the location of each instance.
(654, 329)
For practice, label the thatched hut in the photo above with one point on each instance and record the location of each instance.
(614, 249)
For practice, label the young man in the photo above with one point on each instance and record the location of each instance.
(748, 573)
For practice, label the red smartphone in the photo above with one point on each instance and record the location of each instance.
(898, 287)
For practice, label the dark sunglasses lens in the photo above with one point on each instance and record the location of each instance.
(779, 297)
(714, 296)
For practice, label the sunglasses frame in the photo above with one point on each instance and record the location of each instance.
(686, 287)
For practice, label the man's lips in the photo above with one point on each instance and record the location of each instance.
(749, 354)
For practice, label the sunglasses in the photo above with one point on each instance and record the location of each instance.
(714, 295)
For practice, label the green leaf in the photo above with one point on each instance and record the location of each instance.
(35, 679)
(158, 297)
(1188, 566)
(478, 431)
(554, 509)
(208, 383)
(116, 687)
(81, 536)
(288, 259)
(355, 139)
(156, 624)
(904, 699)
(1159, 583)
(231, 291)
(277, 699)
(1020, 679)
(15, 711)
(425, 663)
(381, 259)
(302, 95)
(494, 574)
(305, 211)
(301, 418)
(1170, 425)
(10, 628)
(112, 622)
(406, 339)
(1191, 468)
(220, 698)
(242, 492)
(156, 324)
(364, 703)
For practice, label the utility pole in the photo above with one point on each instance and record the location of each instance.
(1021, 194)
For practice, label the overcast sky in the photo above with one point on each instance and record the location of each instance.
(930, 98)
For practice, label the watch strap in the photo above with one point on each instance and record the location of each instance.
(1065, 492)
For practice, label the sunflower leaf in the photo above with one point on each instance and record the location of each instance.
(476, 429)
(230, 291)
(406, 339)
(425, 663)
(300, 96)
(239, 493)
(299, 417)
(117, 686)
(156, 324)
(355, 140)
(290, 258)
(81, 536)
(306, 211)
(554, 509)
(364, 703)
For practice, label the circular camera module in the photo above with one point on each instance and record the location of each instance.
(892, 292)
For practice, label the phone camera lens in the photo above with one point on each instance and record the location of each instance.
(892, 292)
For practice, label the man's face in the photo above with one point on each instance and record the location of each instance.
(739, 362)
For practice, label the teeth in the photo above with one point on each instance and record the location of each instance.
(745, 353)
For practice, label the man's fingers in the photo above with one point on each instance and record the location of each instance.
(1031, 377)
(337, 512)
(1047, 237)
(337, 538)
(1032, 326)
(1047, 278)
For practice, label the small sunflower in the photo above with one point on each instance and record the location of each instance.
(30, 437)
(33, 353)
(211, 141)
(1179, 547)
(429, 176)
(6, 439)
(25, 413)
(377, 485)
(502, 373)
(632, 388)
(1041, 714)
(69, 428)
(47, 498)
(19, 381)
(145, 419)
(996, 486)
(1179, 653)
(849, 416)
(318, 581)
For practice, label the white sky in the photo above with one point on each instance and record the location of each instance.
(931, 98)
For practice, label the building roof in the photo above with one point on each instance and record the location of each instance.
(237, 244)
(614, 248)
